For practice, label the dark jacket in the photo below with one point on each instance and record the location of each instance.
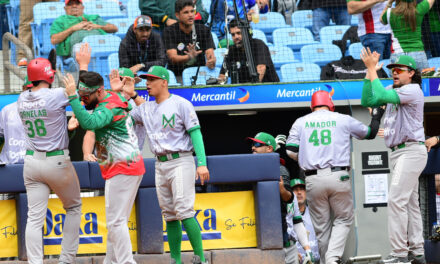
(328, 3)
(150, 53)
(347, 68)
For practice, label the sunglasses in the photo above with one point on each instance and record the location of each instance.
(399, 70)
(86, 97)
(258, 144)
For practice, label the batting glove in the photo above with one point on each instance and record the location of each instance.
(308, 259)
(280, 140)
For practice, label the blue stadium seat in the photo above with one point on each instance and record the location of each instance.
(329, 33)
(113, 61)
(215, 39)
(206, 5)
(294, 38)
(44, 15)
(355, 50)
(219, 56)
(434, 62)
(281, 55)
(302, 19)
(204, 74)
(269, 22)
(385, 64)
(133, 10)
(13, 14)
(354, 20)
(300, 72)
(102, 46)
(123, 24)
(173, 80)
(258, 34)
(106, 9)
(320, 54)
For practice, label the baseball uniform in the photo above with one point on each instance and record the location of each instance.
(323, 139)
(404, 134)
(121, 166)
(11, 129)
(47, 167)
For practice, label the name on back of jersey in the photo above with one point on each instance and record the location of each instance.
(322, 124)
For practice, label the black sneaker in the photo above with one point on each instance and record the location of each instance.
(419, 259)
(394, 259)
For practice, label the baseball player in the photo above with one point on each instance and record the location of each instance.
(320, 141)
(404, 134)
(173, 132)
(47, 163)
(118, 155)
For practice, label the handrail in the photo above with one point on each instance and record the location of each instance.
(8, 66)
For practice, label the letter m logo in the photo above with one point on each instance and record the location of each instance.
(168, 121)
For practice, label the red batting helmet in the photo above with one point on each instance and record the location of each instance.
(40, 69)
(322, 98)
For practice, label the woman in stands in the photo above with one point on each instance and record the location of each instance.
(405, 20)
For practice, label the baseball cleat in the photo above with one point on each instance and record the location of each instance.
(397, 260)
(419, 259)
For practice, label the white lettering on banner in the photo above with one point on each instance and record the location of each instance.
(296, 93)
(199, 97)
(375, 160)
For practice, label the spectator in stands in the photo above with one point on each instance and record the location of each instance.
(141, 48)
(323, 11)
(434, 25)
(405, 20)
(188, 43)
(217, 12)
(3, 19)
(163, 12)
(70, 29)
(372, 33)
(299, 190)
(237, 57)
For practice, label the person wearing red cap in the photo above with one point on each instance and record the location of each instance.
(71, 28)
(320, 141)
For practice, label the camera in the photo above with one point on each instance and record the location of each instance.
(212, 81)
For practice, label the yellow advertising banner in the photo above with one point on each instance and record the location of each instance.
(227, 220)
(8, 229)
(93, 231)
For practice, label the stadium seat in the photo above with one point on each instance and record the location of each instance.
(385, 64)
(302, 19)
(44, 15)
(294, 38)
(204, 74)
(106, 9)
(13, 14)
(123, 24)
(354, 20)
(206, 5)
(113, 61)
(173, 80)
(434, 62)
(133, 10)
(281, 55)
(320, 54)
(329, 33)
(355, 50)
(300, 72)
(219, 56)
(215, 39)
(269, 22)
(258, 34)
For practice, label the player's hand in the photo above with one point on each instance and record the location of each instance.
(128, 86)
(83, 55)
(90, 157)
(381, 133)
(70, 84)
(300, 257)
(308, 258)
(431, 142)
(369, 58)
(170, 22)
(81, 25)
(91, 26)
(210, 62)
(202, 173)
(280, 140)
(115, 81)
(73, 123)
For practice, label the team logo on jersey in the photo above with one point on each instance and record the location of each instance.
(245, 97)
(180, 46)
(168, 121)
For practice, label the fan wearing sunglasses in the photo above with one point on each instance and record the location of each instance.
(266, 143)
(404, 135)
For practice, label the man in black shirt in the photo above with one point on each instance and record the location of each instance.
(188, 43)
(237, 56)
(141, 48)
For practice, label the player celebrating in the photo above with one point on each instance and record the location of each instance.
(173, 131)
(47, 163)
(118, 155)
(320, 141)
(404, 134)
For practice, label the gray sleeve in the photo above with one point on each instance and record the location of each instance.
(188, 114)
(408, 93)
(294, 134)
(357, 129)
(136, 113)
(60, 97)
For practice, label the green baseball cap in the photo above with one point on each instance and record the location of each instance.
(264, 138)
(27, 83)
(296, 182)
(157, 72)
(123, 72)
(404, 60)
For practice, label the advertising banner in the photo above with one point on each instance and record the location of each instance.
(8, 229)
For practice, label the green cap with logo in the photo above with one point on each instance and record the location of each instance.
(404, 60)
(157, 72)
(27, 83)
(295, 182)
(126, 72)
(264, 138)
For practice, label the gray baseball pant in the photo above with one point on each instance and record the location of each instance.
(120, 192)
(291, 253)
(404, 218)
(42, 174)
(327, 193)
(175, 186)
